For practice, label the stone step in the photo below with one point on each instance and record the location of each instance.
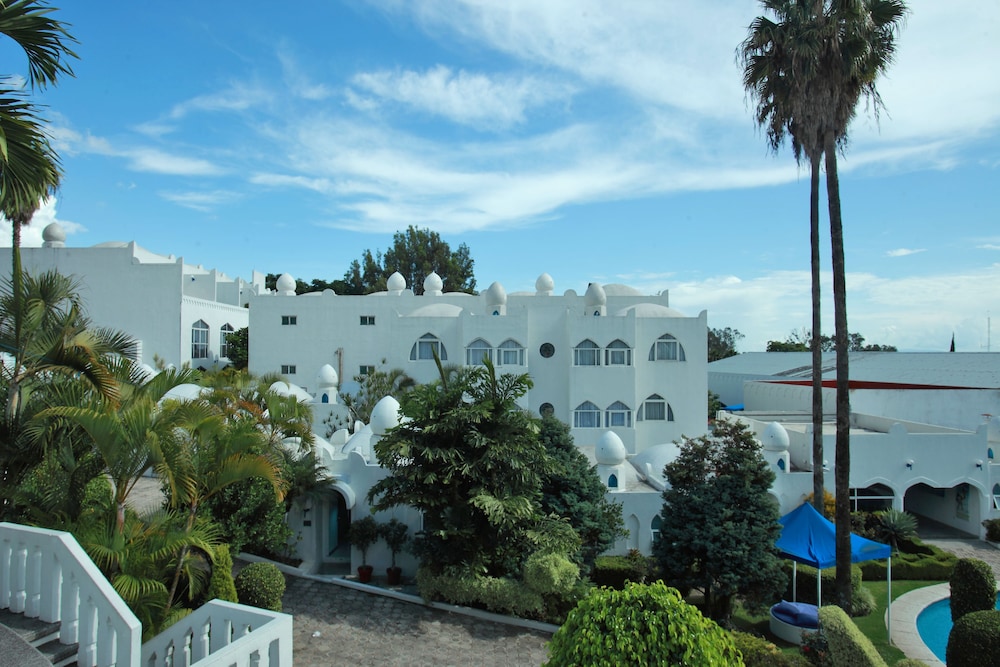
(34, 642)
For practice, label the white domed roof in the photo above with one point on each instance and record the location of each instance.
(385, 415)
(650, 310)
(54, 233)
(437, 310)
(617, 289)
(595, 295)
(775, 438)
(657, 457)
(327, 376)
(183, 392)
(545, 284)
(433, 283)
(610, 450)
(396, 282)
(285, 283)
(495, 295)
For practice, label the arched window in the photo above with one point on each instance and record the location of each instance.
(666, 348)
(996, 496)
(224, 340)
(654, 528)
(613, 482)
(199, 340)
(478, 352)
(325, 399)
(587, 353)
(618, 414)
(587, 415)
(510, 353)
(618, 353)
(654, 408)
(424, 349)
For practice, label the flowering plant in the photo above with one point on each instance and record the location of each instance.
(815, 648)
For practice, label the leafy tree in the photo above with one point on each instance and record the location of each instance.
(238, 344)
(415, 253)
(719, 524)
(643, 624)
(573, 490)
(372, 388)
(468, 457)
(803, 342)
(722, 343)
(271, 282)
(714, 405)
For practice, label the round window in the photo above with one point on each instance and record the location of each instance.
(546, 410)
(547, 350)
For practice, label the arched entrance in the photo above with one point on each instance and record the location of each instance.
(334, 547)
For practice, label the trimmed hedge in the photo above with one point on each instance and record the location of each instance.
(864, 603)
(915, 561)
(992, 529)
(615, 571)
(758, 652)
(975, 640)
(502, 596)
(261, 585)
(848, 646)
(973, 587)
(222, 586)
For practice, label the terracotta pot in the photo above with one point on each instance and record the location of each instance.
(365, 573)
(394, 575)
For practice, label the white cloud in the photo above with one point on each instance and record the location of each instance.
(468, 98)
(200, 201)
(903, 252)
(989, 246)
(158, 162)
(31, 234)
(238, 96)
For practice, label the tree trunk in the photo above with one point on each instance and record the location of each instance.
(14, 389)
(817, 353)
(842, 470)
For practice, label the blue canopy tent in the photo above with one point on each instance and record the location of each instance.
(809, 538)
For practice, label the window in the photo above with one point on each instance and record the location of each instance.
(618, 414)
(666, 348)
(199, 340)
(654, 528)
(288, 369)
(365, 370)
(587, 353)
(613, 482)
(587, 415)
(289, 320)
(478, 352)
(546, 410)
(224, 340)
(618, 353)
(367, 320)
(996, 496)
(424, 349)
(547, 350)
(655, 408)
(510, 353)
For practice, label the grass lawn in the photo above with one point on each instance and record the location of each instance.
(873, 625)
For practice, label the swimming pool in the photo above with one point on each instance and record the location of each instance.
(934, 625)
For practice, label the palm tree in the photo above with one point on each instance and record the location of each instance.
(774, 74)
(840, 49)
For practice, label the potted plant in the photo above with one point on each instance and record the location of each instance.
(362, 534)
(396, 535)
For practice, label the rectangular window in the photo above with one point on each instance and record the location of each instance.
(366, 370)
(199, 343)
(288, 369)
(367, 320)
(666, 349)
(586, 419)
(586, 356)
(618, 357)
(619, 418)
(656, 410)
(289, 320)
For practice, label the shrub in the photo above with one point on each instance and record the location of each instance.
(863, 602)
(222, 586)
(816, 650)
(895, 526)
(363, 533)
(992, 529)
(251, 517)
(829, 504)
(396, 535)
(615, 571)
(631, 626)
(806, 589)
(758, 652)
(549, 574)
(848, 646)
(496, 594)
(910, 662)
(930, 564)
(973, 587)
(261, 585)
(975, 640)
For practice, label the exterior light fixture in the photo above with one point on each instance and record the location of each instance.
(979, 464)
(909, 464)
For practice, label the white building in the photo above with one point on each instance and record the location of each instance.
(176, 311)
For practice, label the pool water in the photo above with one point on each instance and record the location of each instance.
(934, 626)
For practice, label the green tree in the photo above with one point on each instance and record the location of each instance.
(722, 343)
(573, 490)
(372, 388)
(469, 459)
(415, 253)
(238, 343)
(804, 341)
(718, 524)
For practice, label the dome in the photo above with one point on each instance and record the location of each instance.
(327, 376)
(396, 282)
(610, 450)
(775, 438)
(617, 289)
(650, 310)
(433, 283)
(595, 295)
(54, 235)
(437, 310)
(495, 295)
(285, 284)
(656, 457)
(183, 392)
(545, 284)
(385, 415)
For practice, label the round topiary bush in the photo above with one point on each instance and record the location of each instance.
(642, 624)
(975, 640)
(973, 587)
(261, 585)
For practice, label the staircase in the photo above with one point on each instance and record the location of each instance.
(29, 642)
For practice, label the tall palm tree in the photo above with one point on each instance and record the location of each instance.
(774, 74)
(842, 47)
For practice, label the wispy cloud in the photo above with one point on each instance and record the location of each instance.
(201, 201)
(903, 252)
(989, 246)
(238, 96)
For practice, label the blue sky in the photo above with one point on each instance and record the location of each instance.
(595, 141)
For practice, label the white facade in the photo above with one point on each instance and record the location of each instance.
(176, 311)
